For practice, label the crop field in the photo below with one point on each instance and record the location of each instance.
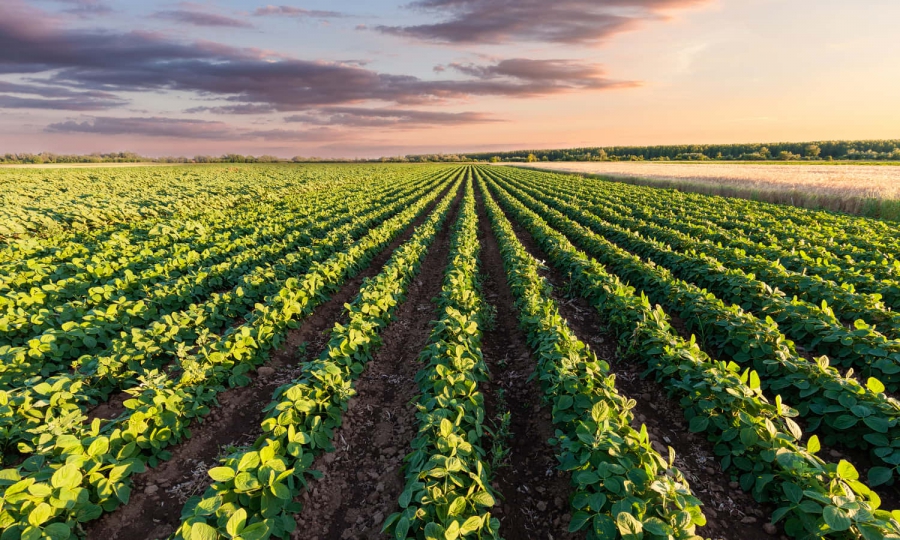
(868, 190)
(439, 352)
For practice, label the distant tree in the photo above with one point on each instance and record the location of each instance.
(495, 159)
(764, 152)
(812, 150)
(786, 155)
(531, 158)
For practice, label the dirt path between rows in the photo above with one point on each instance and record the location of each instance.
(154, 510)
(362, 479)
(732, 514)
(535, 495)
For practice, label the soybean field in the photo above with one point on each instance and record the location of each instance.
(439, 352)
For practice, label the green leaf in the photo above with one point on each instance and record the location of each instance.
(629, 526)
(446, 427)
(604, 528)
(281, 491)
(99, 447)
(257, 531)
(875, 385)
(697, 424)
(457, 506)
(586, 477)
(812, 445)
(249, 461)
(405, 498)
(879, 475)
(754, 381)
(236, 522)
(402, 528)
(433, 531)
(483, 498)
(202, 531)
(658, 527)
(40, 514)
(578, 520)
(470, 525)
(221, 474)
(836, 518)
(599, 411)
(847, 471)
(748, 437)
(793, 492)
(66, 476)
(564, 402)
(245, 482)
(57, 531)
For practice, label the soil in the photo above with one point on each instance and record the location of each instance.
(158, 495)
(363, 478)
(732, 514)
(535, 496)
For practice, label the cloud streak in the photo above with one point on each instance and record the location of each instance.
(200, 18)
(290, 11)
(560, 21)
(180, 128)
(85, 8)
(356, 117)
(55, 98)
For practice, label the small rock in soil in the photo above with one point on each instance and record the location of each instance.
(151, 489)
(770, 529)
(749, 519)
(265, 372)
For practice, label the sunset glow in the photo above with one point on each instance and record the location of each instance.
(364, 79)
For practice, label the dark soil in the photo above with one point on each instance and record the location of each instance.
(362, 479)
(535, 495)
(731, 513)
(154, 510)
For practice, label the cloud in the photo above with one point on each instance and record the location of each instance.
(180, 128)
(405, 118)
(86, 8)
(55, 98)
(246, 108)
(289, 11)
(537, 77)
(146, 61)
(560, 21)
(199, 18)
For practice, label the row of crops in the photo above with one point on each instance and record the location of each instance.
(774, 329)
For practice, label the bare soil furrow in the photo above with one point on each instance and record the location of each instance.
(535, 495)
(362, 479)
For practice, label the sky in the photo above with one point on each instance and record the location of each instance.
(376, 78)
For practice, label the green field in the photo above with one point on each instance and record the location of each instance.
(439, 351)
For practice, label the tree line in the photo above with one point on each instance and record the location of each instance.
(132, 157)
(876, 150)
